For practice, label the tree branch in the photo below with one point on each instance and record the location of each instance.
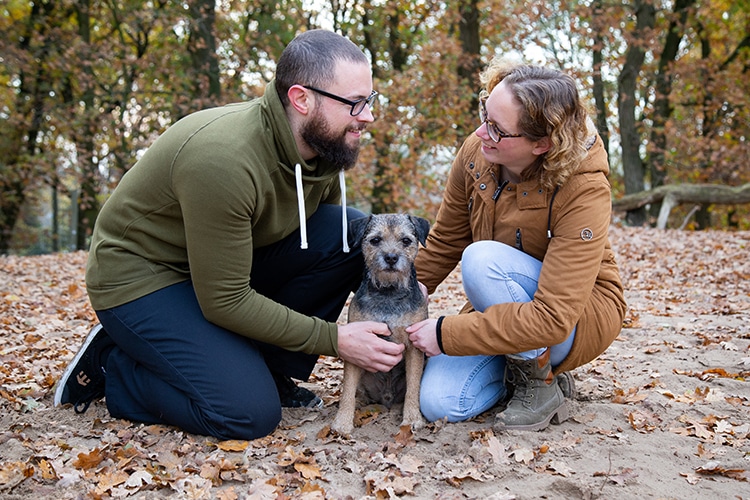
(675, 194)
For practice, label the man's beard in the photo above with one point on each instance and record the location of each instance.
(329, 146)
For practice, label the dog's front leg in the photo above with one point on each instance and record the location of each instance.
(414, 368)
(344, 421)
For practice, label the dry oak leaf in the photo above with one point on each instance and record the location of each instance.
(261, 489)
(524, 455)
(643, 422)
(302, 463)
(90, 460)
(454, 472)
(715, 469)
(560, 468)
(232, 445)
(192, 488)
(625, 476)
(13, 473)
(632, 396)
(389, 484)
(109, 479)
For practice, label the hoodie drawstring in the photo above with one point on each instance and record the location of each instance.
(301, 207)
(344, 222)
(303, 214)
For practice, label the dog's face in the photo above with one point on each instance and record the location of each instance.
(389, 245)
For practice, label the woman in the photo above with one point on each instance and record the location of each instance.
(526, 211)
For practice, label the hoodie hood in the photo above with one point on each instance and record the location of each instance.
(301, 171)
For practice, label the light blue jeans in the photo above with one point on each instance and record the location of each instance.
(461, 387)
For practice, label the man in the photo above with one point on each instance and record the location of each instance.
(219, 265)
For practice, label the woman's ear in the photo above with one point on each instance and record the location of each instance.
(542, 146)
(299, 99)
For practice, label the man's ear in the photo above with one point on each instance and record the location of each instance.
(299, 99)
(542, 146)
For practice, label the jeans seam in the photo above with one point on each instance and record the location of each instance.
(463, 397)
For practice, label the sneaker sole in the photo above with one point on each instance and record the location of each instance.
(60, 386)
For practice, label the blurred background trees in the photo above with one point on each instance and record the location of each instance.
(86, 85)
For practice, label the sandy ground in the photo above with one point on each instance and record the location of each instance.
(663, 413)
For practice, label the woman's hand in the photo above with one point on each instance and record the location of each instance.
(360, 343)
(424, 336)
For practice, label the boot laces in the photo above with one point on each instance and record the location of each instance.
(522, 392)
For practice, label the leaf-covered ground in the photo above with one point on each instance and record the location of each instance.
(664, 413)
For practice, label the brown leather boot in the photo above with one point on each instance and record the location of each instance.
(537, 399)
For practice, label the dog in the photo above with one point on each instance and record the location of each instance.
(389, 293)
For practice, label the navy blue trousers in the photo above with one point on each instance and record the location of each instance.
(171, 366)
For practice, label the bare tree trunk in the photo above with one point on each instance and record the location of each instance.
(202, 49)
(470, 65)
(662, 105)
(627, 85)
(88, 205)
(598, 85)
(16, 173)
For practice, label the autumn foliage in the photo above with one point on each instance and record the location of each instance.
(86, 86)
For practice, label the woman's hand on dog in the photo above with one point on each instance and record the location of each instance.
(360, 343)
(424, 336)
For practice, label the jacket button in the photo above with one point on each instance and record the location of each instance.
(471, 165)
(483, 186)
(525, 193)
(477, 175)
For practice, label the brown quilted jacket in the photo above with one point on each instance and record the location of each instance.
(579, 282)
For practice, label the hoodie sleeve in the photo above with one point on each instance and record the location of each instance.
(218, 205)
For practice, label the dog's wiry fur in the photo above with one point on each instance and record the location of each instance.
(389, 293)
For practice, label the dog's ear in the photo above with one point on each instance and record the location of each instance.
(357, 230)
(423, 228)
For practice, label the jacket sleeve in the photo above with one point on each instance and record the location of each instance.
(451, 232)
(569, 271)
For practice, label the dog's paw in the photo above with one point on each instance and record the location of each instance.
(343, 427)
(416, 421)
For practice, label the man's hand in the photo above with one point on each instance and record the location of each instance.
(359, 344)
(424, 336)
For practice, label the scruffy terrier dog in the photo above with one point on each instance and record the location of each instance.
(389, 293)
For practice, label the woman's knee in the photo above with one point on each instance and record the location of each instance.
(461, 387)
(477, 258)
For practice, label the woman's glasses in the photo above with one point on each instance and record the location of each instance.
(492, 129)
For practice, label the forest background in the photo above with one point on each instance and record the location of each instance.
(86, 86)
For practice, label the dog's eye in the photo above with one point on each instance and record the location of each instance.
(375, 241)
(406, 241)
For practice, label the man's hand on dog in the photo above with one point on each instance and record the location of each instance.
(424, 336)
(360, 343)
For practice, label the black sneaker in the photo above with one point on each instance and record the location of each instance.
(294, 396)
(83, 380)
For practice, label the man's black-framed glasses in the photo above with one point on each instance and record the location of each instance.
(357, 106)
(492, 129)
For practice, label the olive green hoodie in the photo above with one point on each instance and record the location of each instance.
(215, 186)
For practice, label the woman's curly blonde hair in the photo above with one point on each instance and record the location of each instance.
(550, 107)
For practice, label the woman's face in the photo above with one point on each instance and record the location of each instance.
(514, 153)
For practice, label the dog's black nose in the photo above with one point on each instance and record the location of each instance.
(391, 258)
